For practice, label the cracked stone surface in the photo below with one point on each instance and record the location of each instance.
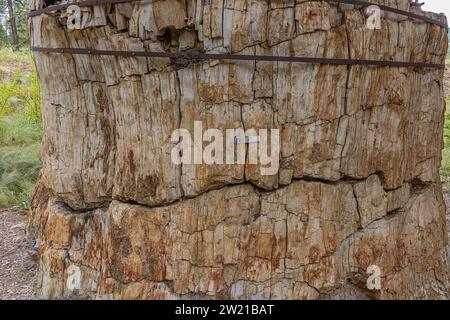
(360, 152)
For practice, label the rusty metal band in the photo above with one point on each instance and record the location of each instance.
(195, 56)
(393, 10)
(88, 3)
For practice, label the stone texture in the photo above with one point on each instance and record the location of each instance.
(301, 241)
(358, 183)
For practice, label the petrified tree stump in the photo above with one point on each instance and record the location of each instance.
(358, 183)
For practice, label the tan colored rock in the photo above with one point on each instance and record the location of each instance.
(302, 241)
(358, 181)
(372, 200)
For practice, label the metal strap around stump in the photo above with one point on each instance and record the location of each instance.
(393, 10)
(195, 56)
(88, 3)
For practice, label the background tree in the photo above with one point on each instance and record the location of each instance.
(3, 35)
(13, 23)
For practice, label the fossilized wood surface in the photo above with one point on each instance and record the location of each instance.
(360, 150)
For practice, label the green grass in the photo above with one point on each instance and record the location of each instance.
(9, 57)
(20, 129)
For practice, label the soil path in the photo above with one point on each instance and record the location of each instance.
(17, 257)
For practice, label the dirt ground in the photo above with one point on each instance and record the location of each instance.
(17, 257)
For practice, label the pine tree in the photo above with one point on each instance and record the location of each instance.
(13, 23)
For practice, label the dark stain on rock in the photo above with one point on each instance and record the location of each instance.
(316, 155)
(148, 185)
(120, 247)
(131, 163)
(314, 254)
(313, 15)
(102, 101)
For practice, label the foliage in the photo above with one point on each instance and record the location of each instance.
(3, 35)
(17, 58)
(21, 91)
(19, 159)
(20, 13)
(20, 131)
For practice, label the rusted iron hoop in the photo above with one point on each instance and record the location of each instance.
(195, 55)
(88, 3)
(393, 10)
